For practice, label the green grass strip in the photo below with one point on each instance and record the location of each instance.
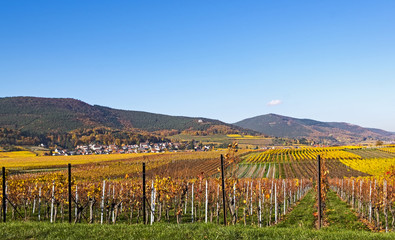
(302, 215)
(34, 230)
(255, 173)
(277, 173)
(340, 215)
(245, 171)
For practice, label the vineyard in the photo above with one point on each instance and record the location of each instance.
(261, 188)
(372, 198)
(299, 163)
(362, 177)
(302, 154)
(22, 160)
(183, 187)
(261, 202)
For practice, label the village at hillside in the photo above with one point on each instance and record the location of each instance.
(136, 148)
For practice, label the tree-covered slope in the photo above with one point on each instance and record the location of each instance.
(282, 126)
(49, 114)
(43, 115)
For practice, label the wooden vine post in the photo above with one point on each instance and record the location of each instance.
(275, 204)
(319, 189)
(153, 197)
(192, 197)
(4, 197)
(144, 214)
(69, 188)
(223, 187)
(206, 205)
(370, 201)
(39, 204)
(52, 201)
(102, 202)
(385, 204)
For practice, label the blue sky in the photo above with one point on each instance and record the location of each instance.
(227, 60)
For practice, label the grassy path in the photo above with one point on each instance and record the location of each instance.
(340, 215)
(302, 215)
(35, 230)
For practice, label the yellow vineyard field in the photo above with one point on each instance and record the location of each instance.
(16, 154)
(240, 137)
(388, 149)
(374, 166)
(272, 155)
(18, 160)
(28, 160)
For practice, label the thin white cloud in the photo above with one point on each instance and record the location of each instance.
(274, 102)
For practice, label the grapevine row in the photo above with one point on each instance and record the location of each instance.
(249, 201)
(372, 198)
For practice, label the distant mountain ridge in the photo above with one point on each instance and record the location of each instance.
(41, 115)
(282, 126)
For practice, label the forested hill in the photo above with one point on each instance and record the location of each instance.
(43, 115)
(332, 132)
